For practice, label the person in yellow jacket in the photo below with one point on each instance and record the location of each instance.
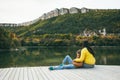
(87, 58)
(84, 58)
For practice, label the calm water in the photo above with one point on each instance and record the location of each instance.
(39, 56)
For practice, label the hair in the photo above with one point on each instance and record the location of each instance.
(78, 51)
(86, 44)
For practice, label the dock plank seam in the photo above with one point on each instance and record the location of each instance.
(30, 77)
(35, 76)
(44, 73)
(14, 72)
(38, 74)
(8, 69)
(25, 74)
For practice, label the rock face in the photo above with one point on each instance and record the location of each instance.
(43, 16)
(84, 10)
(56, 12)
(74, 10)
(48, 15)
(63, 11)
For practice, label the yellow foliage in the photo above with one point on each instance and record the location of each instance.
(36, 40)
(58, 40)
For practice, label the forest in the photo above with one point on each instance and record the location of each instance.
(65, 30)
(8, 39)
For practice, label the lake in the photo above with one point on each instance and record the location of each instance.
(47, 56)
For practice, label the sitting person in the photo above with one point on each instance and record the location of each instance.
(67, 63)
(85, 58)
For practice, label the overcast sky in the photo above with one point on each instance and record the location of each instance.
(18, 11)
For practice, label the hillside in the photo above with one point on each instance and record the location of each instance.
(74, 23)
(65, 29)
(8, 40)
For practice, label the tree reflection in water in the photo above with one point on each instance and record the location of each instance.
(53, 56)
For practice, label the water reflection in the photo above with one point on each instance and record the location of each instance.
(108, 55)
(37, 56)
(103, 60)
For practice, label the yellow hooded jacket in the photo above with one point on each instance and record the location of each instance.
(86, 57)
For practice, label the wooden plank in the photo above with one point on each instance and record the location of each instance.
(21, 74)
(1, 70)
(52, 75)
(110, 72)
(111, 68)
(46, 73)
(42, 74)
(35, 76)
(13, 73)
(62, 74)
(80, 74)
(100, 72)
(30, 76)
(66, 75)
(4, 73)
(55, 74)
(25, 72)
(40, 77)
(16, 77)
(77, 73)
(8, 74)
(98, 75)
(58, 75)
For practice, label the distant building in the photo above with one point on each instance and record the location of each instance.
(8, 25)
(102, 32)
(89, 33)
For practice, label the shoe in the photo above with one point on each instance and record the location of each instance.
(61, 64)
(51, 68)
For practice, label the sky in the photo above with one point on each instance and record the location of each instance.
(19, 11)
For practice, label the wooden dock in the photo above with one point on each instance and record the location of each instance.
(100, 72)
